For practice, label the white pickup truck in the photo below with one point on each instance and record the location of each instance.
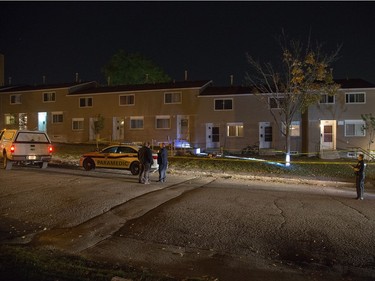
(28, 147)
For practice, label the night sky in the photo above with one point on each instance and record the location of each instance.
(208, 39)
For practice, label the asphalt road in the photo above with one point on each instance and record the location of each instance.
(195, 225)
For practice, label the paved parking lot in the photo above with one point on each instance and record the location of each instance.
(219, 227)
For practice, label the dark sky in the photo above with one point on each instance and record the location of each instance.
(208, 39)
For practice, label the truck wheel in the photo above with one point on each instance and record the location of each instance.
(7, 164)
(88, 164)
(134, 168)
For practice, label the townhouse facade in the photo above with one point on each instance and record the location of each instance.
(187, 114)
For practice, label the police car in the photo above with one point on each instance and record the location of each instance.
(115, 157)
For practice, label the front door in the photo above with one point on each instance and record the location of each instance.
(265, 135)
(118, 129)
(183, 127)
(327, 134)
(42, 121)
(212, 136)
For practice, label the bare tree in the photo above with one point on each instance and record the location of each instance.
(303, 75)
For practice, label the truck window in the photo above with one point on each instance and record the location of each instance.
(31, 137)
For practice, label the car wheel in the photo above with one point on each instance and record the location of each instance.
(7, 164)
(88, 164)
(134, 168)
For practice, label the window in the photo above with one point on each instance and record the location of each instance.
(49, 97)
(77, 124)
(223, 104)
(294, 128)
(85, 102)
(15, 99)
(327, 99)
(163, 122)
(175, 97)
(276, 102)
(354, 128)
(10, 119)
(355, 98)
(127, 100)
(136, 122)
(57, 117)
(235, 129)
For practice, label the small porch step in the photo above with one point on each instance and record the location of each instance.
(329, 154)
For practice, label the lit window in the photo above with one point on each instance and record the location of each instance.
(49, 97)
(136, 122)
(354, 128)
(77, 124)
(175, 97)
(85, 102)
(294, 129)
(355, 98)
(163, 122)
(235, 129)
(127, 100)
(10, 119)
(223, 104)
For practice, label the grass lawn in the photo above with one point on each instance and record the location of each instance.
(301, 166)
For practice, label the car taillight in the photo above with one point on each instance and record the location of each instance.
(12, 149)
(50, 149)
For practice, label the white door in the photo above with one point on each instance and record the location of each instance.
(42, 121)
(118, 129)
(212, 136)
(265, 135)
(183, 127)
(327, 134)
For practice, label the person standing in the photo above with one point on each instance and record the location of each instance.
(163, 162)
(145, 162)
(359, 171)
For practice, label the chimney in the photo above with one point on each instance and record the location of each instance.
(186, 75)
(10, 80)
(76, 77)
(44, 79)
(109, 80)
(231, 80)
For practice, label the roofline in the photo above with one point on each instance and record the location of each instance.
(43, 87)
(93, 93)
(355, 89)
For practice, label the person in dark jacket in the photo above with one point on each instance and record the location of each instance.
(359, 171)
(163, 162)
(145, 162)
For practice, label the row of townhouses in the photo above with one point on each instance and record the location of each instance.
(187, 113)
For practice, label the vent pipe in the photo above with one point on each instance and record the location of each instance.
(44, 79)
(109, 80)
(10, 80)
(186, 75)
(76, 77)
(231, 80)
